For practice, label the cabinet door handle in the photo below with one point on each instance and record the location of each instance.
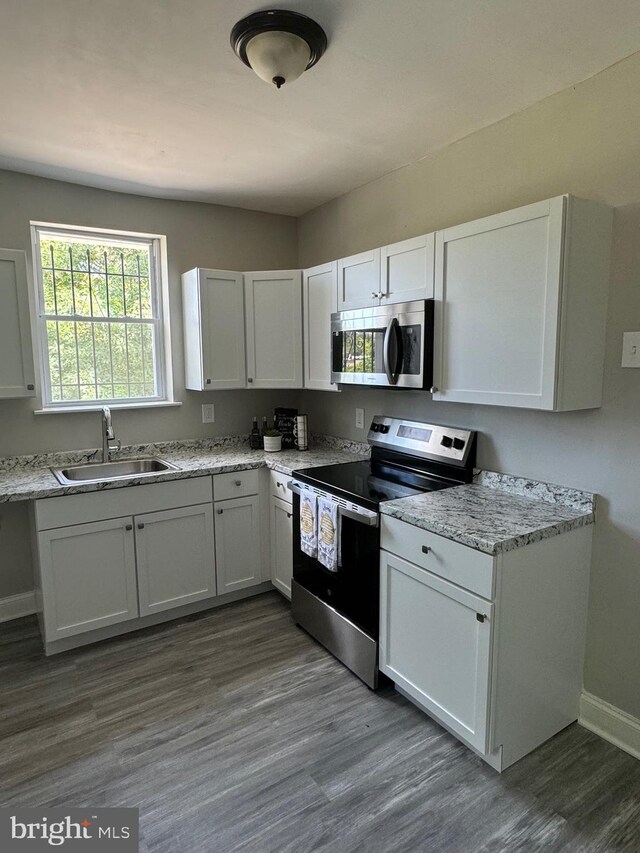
(219, 511)
(289, 515)
(207, 381)
(238, 482)
(481, 617)
(249, 380)
(30, 387)
(433, 389)
(425, 549)
(374, 295)
(141, 526)
(128, 527)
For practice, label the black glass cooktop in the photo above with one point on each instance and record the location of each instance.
(364, 482)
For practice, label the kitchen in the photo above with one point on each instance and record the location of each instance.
(582, 141)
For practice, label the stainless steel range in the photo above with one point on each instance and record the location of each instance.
(340, 606)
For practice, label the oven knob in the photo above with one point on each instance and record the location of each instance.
(458, 443)
(384, 428)
(446, 441)
(375, 427)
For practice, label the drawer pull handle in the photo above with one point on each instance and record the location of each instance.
(128, 527)
(426, 549)
(238, 482)
(481, 617)
(141, 526)
(219, 511)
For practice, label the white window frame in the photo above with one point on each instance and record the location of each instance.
(159, 282)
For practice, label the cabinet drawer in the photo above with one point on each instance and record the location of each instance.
(279, 488)
(235, 484)
(120, 502)
(457, 563)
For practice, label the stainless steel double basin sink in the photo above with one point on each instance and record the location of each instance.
(104, 472)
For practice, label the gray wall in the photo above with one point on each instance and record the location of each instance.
(584, 141)
(197, 235)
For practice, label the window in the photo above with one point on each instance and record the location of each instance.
(101, 322)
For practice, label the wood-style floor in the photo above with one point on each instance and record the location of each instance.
(234, 731)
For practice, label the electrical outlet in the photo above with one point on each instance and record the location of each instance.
(631, 349)
(359, 418)
(208, 414)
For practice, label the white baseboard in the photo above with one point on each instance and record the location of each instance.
(15, 606)
(610, 723)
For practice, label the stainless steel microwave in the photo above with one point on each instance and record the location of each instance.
(389, 345)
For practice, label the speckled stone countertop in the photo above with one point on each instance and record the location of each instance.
(497, 512)
(25, 478)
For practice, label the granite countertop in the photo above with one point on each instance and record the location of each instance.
(497, 512)
(25, 478)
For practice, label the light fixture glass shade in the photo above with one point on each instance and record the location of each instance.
(278, 57)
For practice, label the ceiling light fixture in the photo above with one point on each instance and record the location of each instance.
(278, 45)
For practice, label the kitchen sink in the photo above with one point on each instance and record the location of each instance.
(102, 472)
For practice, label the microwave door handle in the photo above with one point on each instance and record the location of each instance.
(392, 329)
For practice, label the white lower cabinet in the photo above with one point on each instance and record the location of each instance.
(176, 557)
(150, 554)
(435, 641)
(281, 545)
(88, 574)
(237, 527)
(492, 647)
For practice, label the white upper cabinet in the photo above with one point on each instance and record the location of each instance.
(273, 305)
(320, 300)
(213, 310)
(359, 280)
(16, 354)
(407, 269)
(521, 301)
(400, 272)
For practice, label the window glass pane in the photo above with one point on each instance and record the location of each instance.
(90, 281)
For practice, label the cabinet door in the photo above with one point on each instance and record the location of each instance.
(214, 329)
(435, 643)
(273, 302)
(281, 545)
(497, 308)
(88, 577)
(238, 562)
(16, 354)
(320, 300)
(407, 269)
(176, 558)
(359, 280)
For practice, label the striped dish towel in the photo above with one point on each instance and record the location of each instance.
(308, 526)
(328, 534)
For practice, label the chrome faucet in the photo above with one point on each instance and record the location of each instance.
(108, 435)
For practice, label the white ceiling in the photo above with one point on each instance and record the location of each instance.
(146, 96)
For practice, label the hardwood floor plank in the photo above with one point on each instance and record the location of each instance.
(233, 730)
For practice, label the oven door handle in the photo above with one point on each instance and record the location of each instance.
(392, 329)
(363, 516)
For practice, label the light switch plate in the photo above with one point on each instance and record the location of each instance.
(631, 349)
(359, 418)
(208, 414)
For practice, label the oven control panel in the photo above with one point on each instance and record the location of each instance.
(432, 441)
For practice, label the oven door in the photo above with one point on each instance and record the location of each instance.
(389, 345)
(353, 589)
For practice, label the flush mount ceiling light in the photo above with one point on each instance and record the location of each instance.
(278, 45)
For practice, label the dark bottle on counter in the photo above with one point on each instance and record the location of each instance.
(265, 427)
(255, 439)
